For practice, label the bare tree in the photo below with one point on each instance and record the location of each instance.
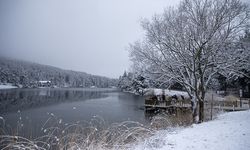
(192, 43)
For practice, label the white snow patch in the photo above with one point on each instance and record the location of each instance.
(7, 86)
(230, 131)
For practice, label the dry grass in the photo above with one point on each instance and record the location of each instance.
(166, 120)
(231, 98)
(81, 135)
(217, 100)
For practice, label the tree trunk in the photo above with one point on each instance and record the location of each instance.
(195, 107)
(201, 111)
(198, 110)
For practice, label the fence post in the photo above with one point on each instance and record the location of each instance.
(249, 103)
(240, 102)
(241, 94)
(211, 115)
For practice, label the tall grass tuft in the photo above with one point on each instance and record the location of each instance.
(92, 135)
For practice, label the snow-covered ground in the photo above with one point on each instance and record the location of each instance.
(230, 131)
(7, 86)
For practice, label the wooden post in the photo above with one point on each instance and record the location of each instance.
(233, 107)
(249, 103)
(211, 115)
(240, 102)
(240, 98)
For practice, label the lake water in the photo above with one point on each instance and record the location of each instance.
(29, 109)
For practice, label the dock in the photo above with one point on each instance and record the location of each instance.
(172, 103)
(168, 108)
(245, 105)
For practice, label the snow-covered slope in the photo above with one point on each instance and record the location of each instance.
(27, 74)
(230, 131)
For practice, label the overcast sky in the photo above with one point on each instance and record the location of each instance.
(81, 35)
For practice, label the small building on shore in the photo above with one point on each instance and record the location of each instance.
(44, 83)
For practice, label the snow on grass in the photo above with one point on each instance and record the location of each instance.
(7, 86)
(81, 135)
(229, 131)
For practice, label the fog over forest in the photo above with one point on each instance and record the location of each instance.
(89, 36)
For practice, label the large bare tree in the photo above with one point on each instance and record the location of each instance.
(190, 44)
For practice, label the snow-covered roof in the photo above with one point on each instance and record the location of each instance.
(166, 92)
(44, 81)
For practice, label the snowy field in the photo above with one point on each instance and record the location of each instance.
(230, 131)
(8, 86)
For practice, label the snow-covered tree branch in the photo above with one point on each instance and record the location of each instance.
(190, 44)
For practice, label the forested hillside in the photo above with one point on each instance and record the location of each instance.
(27, 74)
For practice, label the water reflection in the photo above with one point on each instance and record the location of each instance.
(68, 105)
(129, 100)
(22, 99)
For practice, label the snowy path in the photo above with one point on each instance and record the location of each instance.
(231, 131)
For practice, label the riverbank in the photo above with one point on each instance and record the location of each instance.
(229, 131)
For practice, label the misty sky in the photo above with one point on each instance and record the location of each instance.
(81, 35)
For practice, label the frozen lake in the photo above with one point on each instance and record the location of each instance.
(28, 109)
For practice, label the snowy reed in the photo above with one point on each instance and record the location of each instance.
(95, 134)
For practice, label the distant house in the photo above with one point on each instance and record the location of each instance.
(44, 83)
